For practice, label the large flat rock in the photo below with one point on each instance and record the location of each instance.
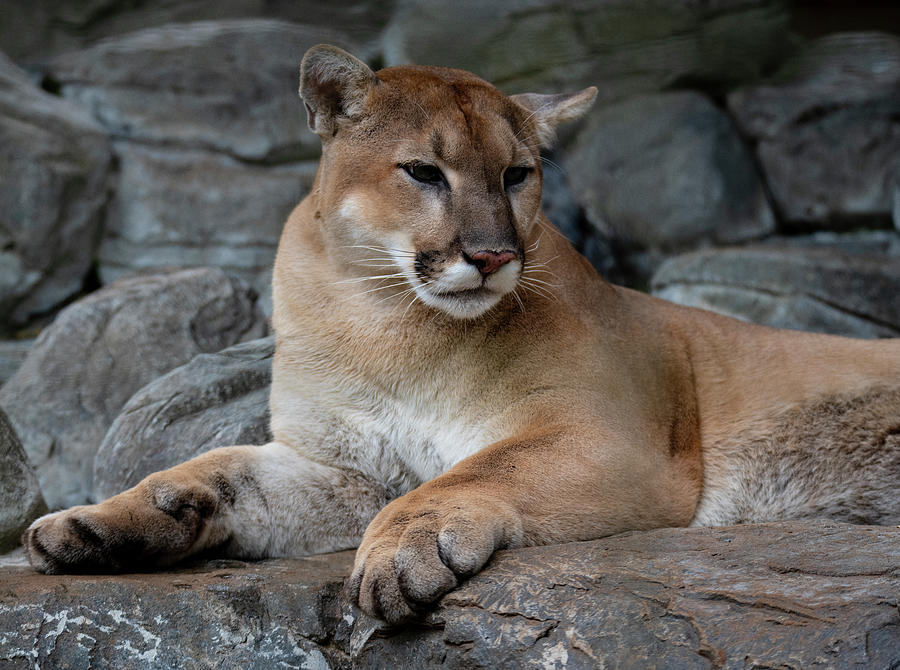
(230, 86)
(786, 595)
(850, 289)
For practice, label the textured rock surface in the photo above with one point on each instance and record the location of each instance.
(103, 348)
(21, 501)
(666, 170)
(198, 208)
(216, 400)
(792, 595)
(818, 289)
(54, 171)
(12, 354)
(829, 130)
(224, 85)
(623, 47)
(35, 30)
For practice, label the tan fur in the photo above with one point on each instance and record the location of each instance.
(534, 404)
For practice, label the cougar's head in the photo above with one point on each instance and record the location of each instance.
(430, 178)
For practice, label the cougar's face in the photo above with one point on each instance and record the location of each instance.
(437, 186)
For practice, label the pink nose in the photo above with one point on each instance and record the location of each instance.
(488, 262)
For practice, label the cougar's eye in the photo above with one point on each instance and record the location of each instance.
(425, 173)
(515, 175)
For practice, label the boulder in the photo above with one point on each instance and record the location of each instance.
(35, 31)
(228, 85)
(799, 595)
(665, 171)
(815, 288)
(21, 501)
(100, 350)
(828, 131)
(623, 47)
(55, 167)
(215, 400)
(190, 208)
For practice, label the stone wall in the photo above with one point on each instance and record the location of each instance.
(150, 152)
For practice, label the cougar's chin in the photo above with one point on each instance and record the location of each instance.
(463, 293)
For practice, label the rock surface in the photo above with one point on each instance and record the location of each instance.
(790, 595)
(21, 501)
(623, 47)
(12, 354)
(818, 289)
(35, 31)
(54, 178)
(230, 86)
(190, 208)
(216, 400)
(828, 130)
(87, 364)
(667, 170)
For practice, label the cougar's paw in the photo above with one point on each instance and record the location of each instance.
(413, 553)
(150, 526)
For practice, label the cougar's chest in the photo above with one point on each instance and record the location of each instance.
(426, 433)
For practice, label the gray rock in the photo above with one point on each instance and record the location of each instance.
(828, 130)
(817, 289)
(216, 400)
(21, 501)
(54, 171)
(181, 208)
(35, 31)
(799, 595)
(558, 204)
(100, 350)
(224, 85)
(666, 171)
(621, 46)
(12, 354)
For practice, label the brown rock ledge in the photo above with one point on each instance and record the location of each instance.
(786, 595)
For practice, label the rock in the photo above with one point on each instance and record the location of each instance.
(216, 400)
(12, 354)
(817, 289)
(189, 208)
(807, 595)
(666, 171)
(21, 501)
(230, 86)
(35, 31)
(100, 350)
(620, 46)
(558, 204)
(54, 162)
(828, 130)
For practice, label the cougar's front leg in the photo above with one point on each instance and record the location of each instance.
(247, 502)
(535, 489)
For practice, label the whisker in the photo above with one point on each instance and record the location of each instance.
(541, 282)
(382, 288)
(356, 280)
(381, 250)
(519, 300)
(540, 292)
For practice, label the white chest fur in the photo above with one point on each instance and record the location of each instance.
(400, 439)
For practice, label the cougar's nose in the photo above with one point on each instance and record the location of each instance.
(488, 262)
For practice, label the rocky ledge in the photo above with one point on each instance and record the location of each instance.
(785, 595)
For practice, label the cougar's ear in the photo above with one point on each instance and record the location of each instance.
(333, 84)
(548, 111)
